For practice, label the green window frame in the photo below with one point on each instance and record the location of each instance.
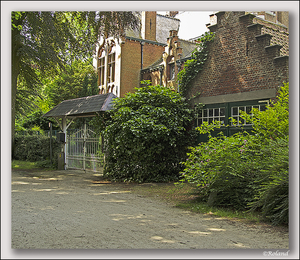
(210, 114)
(236, 113)
(223, 112)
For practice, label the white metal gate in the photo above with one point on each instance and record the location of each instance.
(84, 150)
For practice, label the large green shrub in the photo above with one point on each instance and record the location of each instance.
(147, 136)
(272, 196)
(246, 171)
(224, 170)
(35, 148)
(274, 122)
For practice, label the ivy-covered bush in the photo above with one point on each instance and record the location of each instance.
(147, 136)
(36, 148)
(246, 171)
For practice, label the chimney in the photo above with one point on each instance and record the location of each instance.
(172, 13)
(149, 25)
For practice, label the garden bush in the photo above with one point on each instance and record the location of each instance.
(225, 168)
(148, 136)
(272, 196)
(36, 148)
(246, 171)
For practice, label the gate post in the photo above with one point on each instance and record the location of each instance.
(84, 144)
(64, 128)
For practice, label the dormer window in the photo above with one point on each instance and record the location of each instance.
(101, 69)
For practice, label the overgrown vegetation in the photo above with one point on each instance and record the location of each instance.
(194, 65)
(147, 136)
(246, 171)
(46, 45)
(36, 148)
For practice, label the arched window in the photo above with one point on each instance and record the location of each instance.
(101, 91)
(111, 67)
(101, 67)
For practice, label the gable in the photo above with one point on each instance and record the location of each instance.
(242, 59)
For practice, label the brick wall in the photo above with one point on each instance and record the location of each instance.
(280, 34)
(240, 59)
(130, 66)
(131, 62)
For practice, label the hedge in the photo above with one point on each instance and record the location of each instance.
(35, 148)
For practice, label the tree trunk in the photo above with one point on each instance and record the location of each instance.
(15, 63)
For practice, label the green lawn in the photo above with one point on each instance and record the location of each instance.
(23, 165)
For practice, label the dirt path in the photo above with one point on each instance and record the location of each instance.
(73, 209)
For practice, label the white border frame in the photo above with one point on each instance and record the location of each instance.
(8, 6)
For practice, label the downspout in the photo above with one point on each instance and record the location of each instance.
(178, 70)
(142, 59)
(142, 44)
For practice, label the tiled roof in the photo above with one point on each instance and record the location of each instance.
(155, 65)
(82, 107)
(143, 40)
(187, 48)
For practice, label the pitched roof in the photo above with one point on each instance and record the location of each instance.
(187, 49)
(163, 26)
(82, 107)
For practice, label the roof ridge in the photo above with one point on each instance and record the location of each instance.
(173, 18)
(84, 97)
(190, 41)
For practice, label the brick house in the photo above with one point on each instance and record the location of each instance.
(120, 61)
(247, 62)
(246, 65)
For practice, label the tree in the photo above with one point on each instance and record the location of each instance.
(43, 42)
(147, 136)
(79, 79)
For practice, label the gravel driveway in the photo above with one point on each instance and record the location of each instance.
(73, 209)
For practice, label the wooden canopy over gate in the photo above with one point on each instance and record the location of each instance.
(80, 107)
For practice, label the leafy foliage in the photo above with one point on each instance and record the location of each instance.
(43, 43)
(36, 148)
(193, 66)
(79, 79)
(147, 136)
(246, 171)
(35, 119)
(274, 122)
(224, 167)
(272, 196)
